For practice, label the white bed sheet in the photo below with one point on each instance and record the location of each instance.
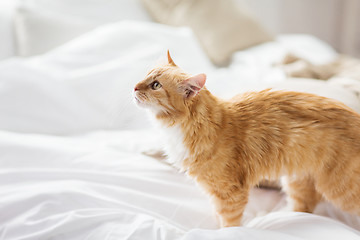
(100, 186)
(71, 143)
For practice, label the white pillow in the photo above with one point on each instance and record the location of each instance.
(41, 25)
(87, 84)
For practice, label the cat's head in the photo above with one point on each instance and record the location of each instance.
(168, 90)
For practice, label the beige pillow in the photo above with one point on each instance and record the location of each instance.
(222, 26)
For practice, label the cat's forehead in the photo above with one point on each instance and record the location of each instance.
(154, 73)
(161, 73)
(166, 73)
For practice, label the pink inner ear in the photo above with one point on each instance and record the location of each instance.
(193, 85)
(197, 82)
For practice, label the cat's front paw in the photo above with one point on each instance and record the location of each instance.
(230, 224)
(226, 222)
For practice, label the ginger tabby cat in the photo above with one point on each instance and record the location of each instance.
(229, 146)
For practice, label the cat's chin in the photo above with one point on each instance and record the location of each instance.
(155, 111)
(152, 109)
(140, 103)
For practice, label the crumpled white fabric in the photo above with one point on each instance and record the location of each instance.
(94, 185)
(275, 226)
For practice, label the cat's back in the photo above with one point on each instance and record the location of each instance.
(289, 105)
(274, 116)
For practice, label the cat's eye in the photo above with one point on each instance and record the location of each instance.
(156, 85)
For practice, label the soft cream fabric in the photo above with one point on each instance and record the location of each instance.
(343, 71)
(342, 67)
(222, 27)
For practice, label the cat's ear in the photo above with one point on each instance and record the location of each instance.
(171, 62)
(192, 86)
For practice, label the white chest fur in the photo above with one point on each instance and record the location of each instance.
(174, 146)
(173, 142)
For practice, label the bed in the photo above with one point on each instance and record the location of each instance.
(72, 142)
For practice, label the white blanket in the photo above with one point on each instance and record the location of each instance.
(100, 186)
(71, 143)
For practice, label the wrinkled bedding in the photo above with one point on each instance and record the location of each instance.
(72, 142)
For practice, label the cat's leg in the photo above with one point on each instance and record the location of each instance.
(302, 195)
(341, 185)
(230, 204)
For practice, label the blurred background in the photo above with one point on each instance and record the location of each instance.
(30, 27)
(336, 22)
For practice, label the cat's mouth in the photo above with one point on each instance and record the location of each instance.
(139, 102)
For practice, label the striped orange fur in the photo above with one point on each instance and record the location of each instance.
(229, 146)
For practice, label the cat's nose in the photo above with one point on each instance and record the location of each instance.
(135, 89)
